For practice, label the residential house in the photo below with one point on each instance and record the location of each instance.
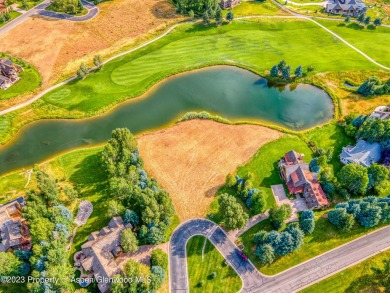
(381, 112)
(13, 228)
(99, 252)
(9, 73)
(300, 181)
(363, 153)
(345, 7)
(228, 4)
(3, 7)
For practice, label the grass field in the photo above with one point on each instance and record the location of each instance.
(266, 7)
(374, 42)
(350, 278)
(30, 80)
(13, 15)
(200, 269)
(324, 238)
(255, 45)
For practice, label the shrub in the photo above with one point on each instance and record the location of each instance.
(159, 258)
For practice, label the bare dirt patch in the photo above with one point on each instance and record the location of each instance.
(191, 160)
(54, 45)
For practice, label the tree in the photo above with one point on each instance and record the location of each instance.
(347, 19)
(80, 5)
(218, 15)
(158, 277)
(369, 87)
(286, 72)
(367, 20)
(340, 218)
(299, 71)
(9, 264)
(230, 180)
(131, 217)
(370, 216)
(206, 18)
(80, 74)
(361, 18)
(84, 68)
(155, 236)
(159, 258)
(128, 241)
(24, 5)
(278, 215)
(281, 65)
(378, 174)
(274, 71)
(71, 193)
(297, 236)
(354, 177)
(265, 253)
(310, 68)
(97, 60)
(260, 237)
(114, 209)
(229, 16)
(377, 22)
(307, 226)
(213, 275)
(232, 214)
(258, 203)
(191, 14)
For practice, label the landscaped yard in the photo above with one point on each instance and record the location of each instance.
(349, 279)
(324, 238)
(13, 15)
(30, 79)
(200, 269)
(257, 45)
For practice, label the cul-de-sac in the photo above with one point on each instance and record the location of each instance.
(194, 146)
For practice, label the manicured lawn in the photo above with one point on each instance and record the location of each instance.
(30, 80)
(13, 15)
(252, 44)
(328, 136)
(374, 42)
(200, 269)
(266, 7)
(12, 185)
(350, 279)
(324, 238)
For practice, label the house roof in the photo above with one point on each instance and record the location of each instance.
(363, 153)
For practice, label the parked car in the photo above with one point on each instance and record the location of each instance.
(242, 255)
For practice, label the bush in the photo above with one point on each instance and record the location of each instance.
(159, 258)
(307, 226)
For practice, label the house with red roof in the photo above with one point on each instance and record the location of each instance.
(300, 181)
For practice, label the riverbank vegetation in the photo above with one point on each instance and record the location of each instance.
(207, 271)
(175, 53)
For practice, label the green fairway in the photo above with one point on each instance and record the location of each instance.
(256, 45)
(351, 279)
(373, 42)
(200, 269)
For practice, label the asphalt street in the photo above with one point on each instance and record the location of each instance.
(291, 280)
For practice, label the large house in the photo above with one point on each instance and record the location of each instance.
(13, 228)
(300, 181)
(9, 73)
(3, 7)
(381, 112)
(363, 153)
(228, 4)
(99, 252)
(345, 7)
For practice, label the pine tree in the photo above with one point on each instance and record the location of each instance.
(286, 72)
(218, 16)
(97, 60)
(229, 16)
(377, 22)
(367, 20)
(347, 19)
(80, 5)
(206, 18)
(274, 71)
(361, 17)
(299, 71)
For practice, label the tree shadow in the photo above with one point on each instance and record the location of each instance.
(355, 26)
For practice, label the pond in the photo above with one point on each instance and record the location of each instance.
(230, 92)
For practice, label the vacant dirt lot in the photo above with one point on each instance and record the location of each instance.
(191, 160)
(53, 46)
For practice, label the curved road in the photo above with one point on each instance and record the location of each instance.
(40, 9)
(291, 280)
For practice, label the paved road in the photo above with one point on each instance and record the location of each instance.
(40, 9)
(291, 280)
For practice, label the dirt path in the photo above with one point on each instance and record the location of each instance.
(190, 160)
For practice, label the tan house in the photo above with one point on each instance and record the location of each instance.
(100, 251)
(9, 73)
(13, 228)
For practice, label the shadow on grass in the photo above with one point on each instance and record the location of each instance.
(355, 26)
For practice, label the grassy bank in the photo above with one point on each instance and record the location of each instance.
(254, 45)
(350, 279)
(200, 269)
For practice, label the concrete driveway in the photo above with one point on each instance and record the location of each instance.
(297, 205)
